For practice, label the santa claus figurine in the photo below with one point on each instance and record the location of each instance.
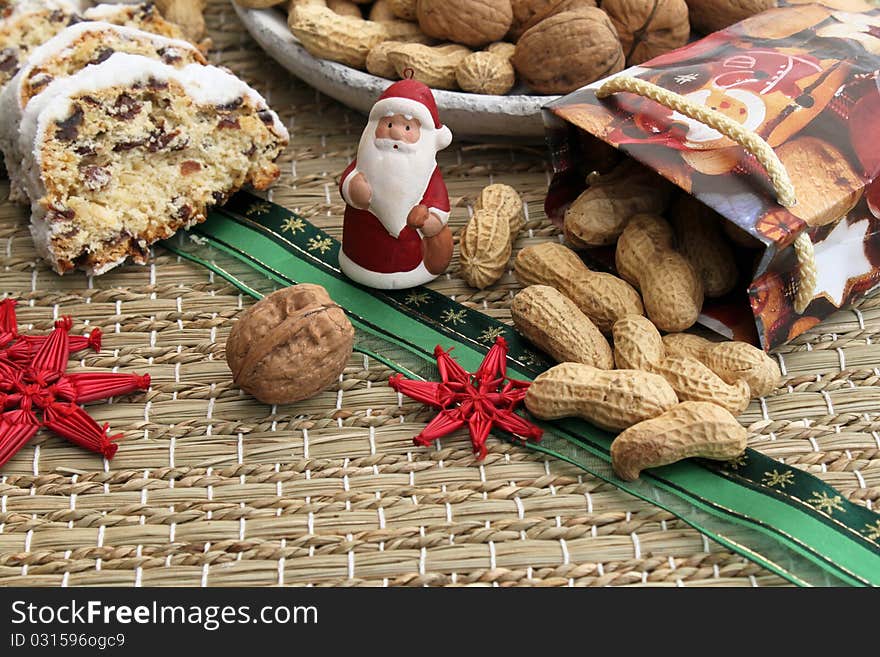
(394, 233)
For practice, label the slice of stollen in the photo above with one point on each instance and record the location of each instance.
(25, 24)
(67, 53)
(126, 152)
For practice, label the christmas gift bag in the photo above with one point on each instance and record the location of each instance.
(773, 125)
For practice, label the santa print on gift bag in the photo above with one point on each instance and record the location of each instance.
(394, 233)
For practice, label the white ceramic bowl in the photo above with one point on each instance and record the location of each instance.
(471, 116)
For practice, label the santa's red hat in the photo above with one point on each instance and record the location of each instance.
(415, 99)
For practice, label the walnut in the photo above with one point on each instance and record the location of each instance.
(474, 23)
(648, 28)
(568, 50)
(290, 345)
(529, 12)
(713, 15)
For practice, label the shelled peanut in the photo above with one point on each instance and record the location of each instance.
(604, 298)
(485, 244)
(553, 322)
(553, 46)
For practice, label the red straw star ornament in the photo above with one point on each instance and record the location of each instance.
(482, 400)
(27, 346)
(8, 327)
(33, 377)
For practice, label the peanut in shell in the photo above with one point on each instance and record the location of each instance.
(690, 429)
(610, 399)
(484, 248)
(602, 297)
(555, 324)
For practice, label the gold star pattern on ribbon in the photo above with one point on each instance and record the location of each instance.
(320, 244)
(293, 225)
(259, 209)
(872, 531)
(491, 334)
(781, 479)
(453, 317)
(827, 503)
(416, 299)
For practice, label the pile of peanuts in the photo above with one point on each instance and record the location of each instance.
(673, 396)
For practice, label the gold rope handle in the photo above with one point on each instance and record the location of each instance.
(807, 273)
(750, 141)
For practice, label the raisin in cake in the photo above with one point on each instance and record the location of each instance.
(128, 151)
(66, 54)
(28, 23)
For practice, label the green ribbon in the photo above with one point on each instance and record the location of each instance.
(785, 519)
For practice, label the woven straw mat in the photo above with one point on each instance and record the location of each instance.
(212, 488)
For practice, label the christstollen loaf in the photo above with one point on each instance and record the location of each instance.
(126, 152)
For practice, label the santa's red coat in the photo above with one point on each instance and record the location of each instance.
(367, 243)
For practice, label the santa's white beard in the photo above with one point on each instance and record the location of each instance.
(398, 177)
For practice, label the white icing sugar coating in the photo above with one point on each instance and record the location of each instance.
(68, 36)
(70, 6)
(107, 10)
(206, 85)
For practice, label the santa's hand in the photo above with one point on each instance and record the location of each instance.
(432, 226)
(417, 216)
(360, 192)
